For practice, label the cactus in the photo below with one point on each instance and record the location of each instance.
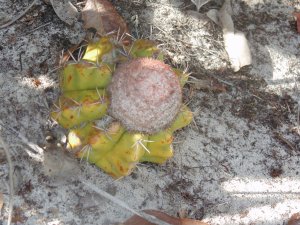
(142, 97)
(153, 100)
(144, 48)
(76, 107)
(85, 76)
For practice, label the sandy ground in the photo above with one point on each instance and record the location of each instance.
(238, 163)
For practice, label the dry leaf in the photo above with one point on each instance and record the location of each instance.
(1, 201)
(236, 44)
(294, 220)
(213, 14)
(297, 16)
(65, 10)
(18, 216)
(136, 220)
(199, 3)
(101, 15)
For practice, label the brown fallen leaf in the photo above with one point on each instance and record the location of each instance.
(136, 220)
(297, 16)
(1, 201)
(18, 216)
(101, 15)
(294, 220)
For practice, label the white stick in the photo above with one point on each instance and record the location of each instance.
(19, 16)
(117, 201)
(38, 155)
(11, 182)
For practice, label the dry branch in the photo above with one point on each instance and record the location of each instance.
(11, 182)
(20, 15)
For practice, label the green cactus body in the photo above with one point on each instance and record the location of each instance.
(159, 147)
(184, 118)
(85, 76)
(117, 147)
(128, 151)
(158, 155)
(78, 137)
(144, 48)
(100, 51)
(76, 107)
(101, 142)
(182, 76)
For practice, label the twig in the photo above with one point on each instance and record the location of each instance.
(296, 129)
(298, 116)
(39, 27)
(216, 77)
(19, 16)
(20, 59)
(11, 182)
(284, 141)
(117, 201)
(38, 150)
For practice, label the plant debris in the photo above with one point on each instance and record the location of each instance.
(297, 16)
(101, 15)
(65, 10)
(1, 200)
(294, 220)
(137, 220)
(235, 42)
(200, 3)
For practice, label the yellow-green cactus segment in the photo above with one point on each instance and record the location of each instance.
(78, 137)
(159, 147)
(144, 48)
(160, 144)
(183, 77)
(76, 107)
(102, 141)
(158, 155)
(100, 51)
(84, 76)
(122, 159)
(184, 118)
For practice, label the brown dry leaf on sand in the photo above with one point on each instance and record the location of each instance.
(297, 16)
(1, 201)
(294, 220)
(101, 15)
(136, 220)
